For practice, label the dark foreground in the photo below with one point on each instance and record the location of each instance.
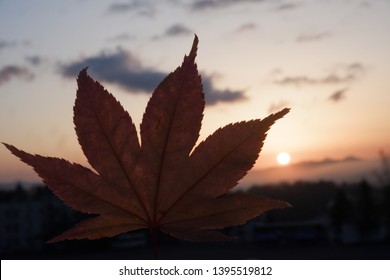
(229, 251)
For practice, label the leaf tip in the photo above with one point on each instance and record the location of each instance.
(281, 204)
(194, 49)
(83, 73)
(195, 43)
(11, 148)
(58, 238)
(284, 111)
(278, 115)
(51, 241)
(5, 144)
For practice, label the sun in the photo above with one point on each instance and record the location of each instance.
(283, 158)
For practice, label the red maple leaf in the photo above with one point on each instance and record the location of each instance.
(163, 182)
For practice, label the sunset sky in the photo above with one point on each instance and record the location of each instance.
(329, 61)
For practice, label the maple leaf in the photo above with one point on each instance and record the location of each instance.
(163, 182)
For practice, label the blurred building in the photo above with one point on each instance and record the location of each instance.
(31, 216)
(333, 215)
(27, 219)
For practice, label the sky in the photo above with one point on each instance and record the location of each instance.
(326, 60)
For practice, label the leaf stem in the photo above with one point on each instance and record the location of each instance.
(154, 243)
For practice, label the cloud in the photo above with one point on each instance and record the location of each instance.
(338, 95)
(312, 37)
(120, 68)
(327, 161)
(246, 27)
(34, 60)
(121, 37)
(201, 5)
(11, 44)
(210, 4)
(125, 70)
(13, 71)
(344, 74)
(213, 95)
(121, 7)
(216, 4)
(173, 31)
(288, 6)
(301, 80)
(141, 7)
(356, 68)
(275, 107)
(6, 44)
(178, 29)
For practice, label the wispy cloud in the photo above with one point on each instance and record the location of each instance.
(327, 161)
(121, 37)
(246, 27)
(174, 31)
(12, 44)
(200, 5)
(344, 74)
(210, 4)
(34, 60)
(124, 69)
(141, 7)
(13, 71)
(310, 37)
(178, 29)
(356, 68)
(6, 44)
(302, 80)
(287, 6)
(120, 7)
(338, 95)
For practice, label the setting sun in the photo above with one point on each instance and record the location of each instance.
(283, 158)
